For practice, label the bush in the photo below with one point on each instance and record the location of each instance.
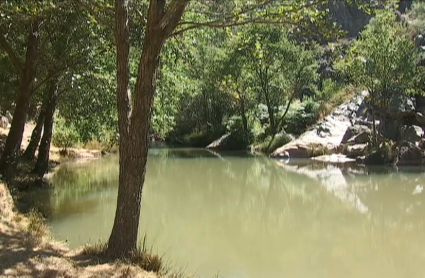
(304, 115)
(64, 135)
(240, 138)
(278, 141)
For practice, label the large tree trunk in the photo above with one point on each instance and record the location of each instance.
(42, 163)
(26, 78)
(134, 121)
(35, 136)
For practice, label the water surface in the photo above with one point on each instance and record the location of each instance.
(240, 216)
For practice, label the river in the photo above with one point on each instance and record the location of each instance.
(237, 216)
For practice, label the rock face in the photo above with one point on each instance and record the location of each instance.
(354, 151)
(326, 136)
(412, 134)
(357, 133)
(348, 16)
(401, 106)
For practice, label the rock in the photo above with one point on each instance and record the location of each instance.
(420, 118)
(401, 106)
(412, 134)
(325, 137)
(4, 122)
(419, 40)
(361, 138)
(357, 150)
(409, 155)
(390, 129)
(228, 142)
(9, 116)
(334, 158)
(354, 131)
(348, 16)
(220, 143)
(361, 159)
(375, 158)
(292, 151)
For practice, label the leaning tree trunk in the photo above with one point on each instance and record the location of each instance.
(35, 136)
(134, 117)
(26, 78)
(42, 163)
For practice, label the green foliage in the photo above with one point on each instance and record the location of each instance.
(304, 115)
(65, 134)
(270, 144)
(240, 138)
(417, 16)
(384, 59)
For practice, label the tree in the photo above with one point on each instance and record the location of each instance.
(134, 108)
(384, 61)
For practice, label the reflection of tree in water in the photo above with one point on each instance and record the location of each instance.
(254, 215)
(73, 183)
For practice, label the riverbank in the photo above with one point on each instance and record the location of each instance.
(28, 250)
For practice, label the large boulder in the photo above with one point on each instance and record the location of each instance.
(354, 151)
(292, 151)
(412, 134)
(374, 158)
(221, 143)
(353, 131)
(409, 155)
(361, 138)
(401, 106)
(231, 141)
(390, 129)
(420, 118)
(348, 16)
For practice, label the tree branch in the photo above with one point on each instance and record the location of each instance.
(12, 56)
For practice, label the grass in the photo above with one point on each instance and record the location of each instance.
(36, 225)
(318, 150)
(140, 257)
(102, 146)
(337, 98)
(271, 144)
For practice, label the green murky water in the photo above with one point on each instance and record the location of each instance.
(240, 216)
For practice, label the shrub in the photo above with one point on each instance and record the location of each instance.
(64, 135)
(271, 144)
(304, 116)
(240, 139)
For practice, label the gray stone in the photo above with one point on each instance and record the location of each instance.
(375, 158)
(409, 155)
(354, 131)
(420, 118)
(4, 122)
(401, 106)
(411, 134)
(9, 116)
(361, 138)
(220, 144)
(356, 150)
(390, 129)
(292, 151)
